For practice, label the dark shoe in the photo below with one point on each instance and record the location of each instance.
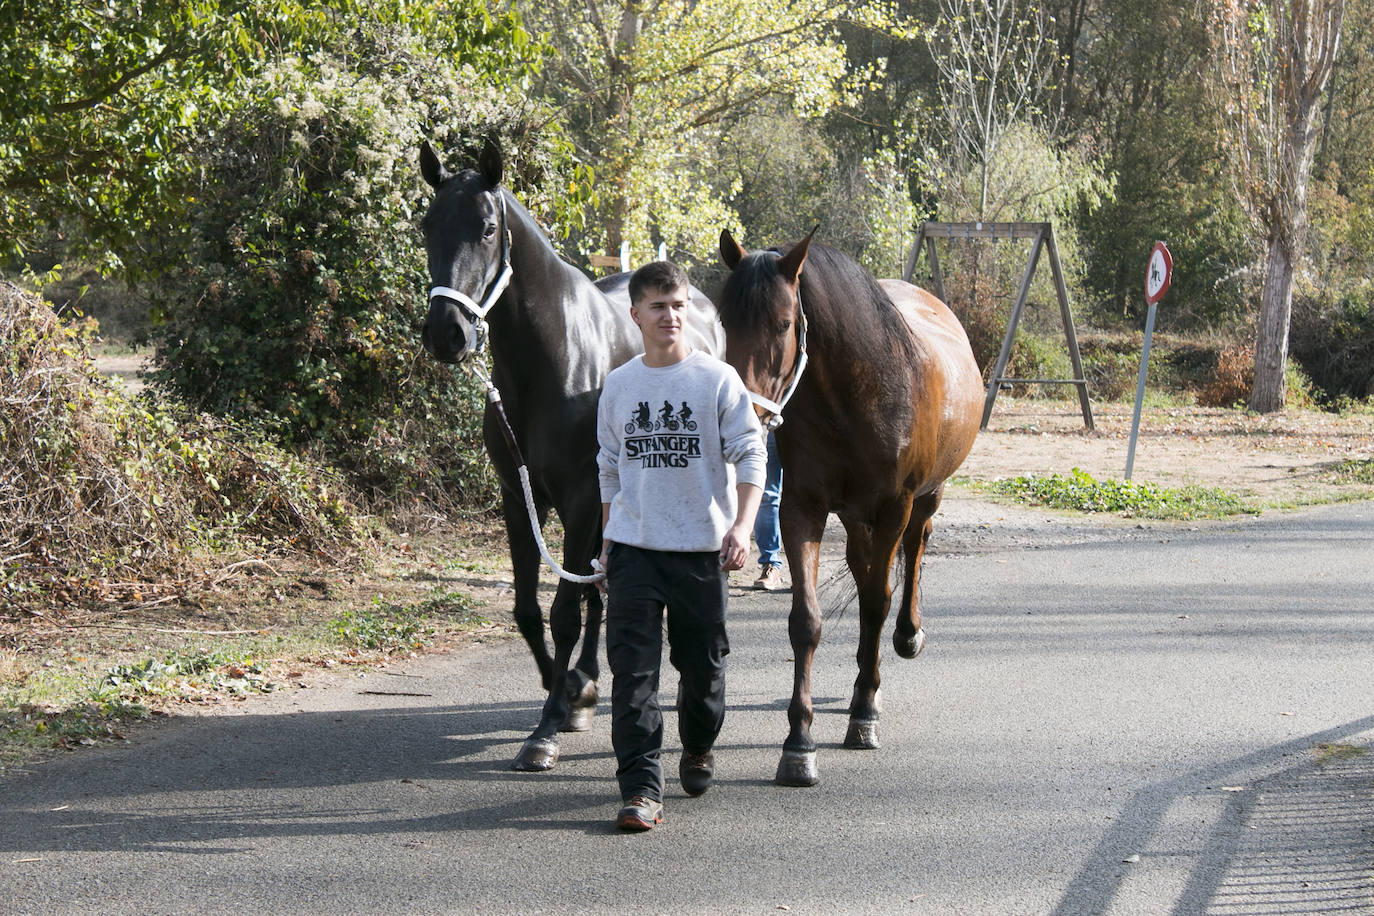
(695, 771)
(770, 580)
(640, 813)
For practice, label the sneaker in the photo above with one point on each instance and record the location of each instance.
(770, 580)
(695, 771)
(640, 813)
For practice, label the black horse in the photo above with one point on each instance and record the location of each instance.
(554, 336)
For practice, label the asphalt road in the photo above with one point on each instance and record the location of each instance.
(1106, 720)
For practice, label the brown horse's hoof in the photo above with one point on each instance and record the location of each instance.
(862, 735)
(909, 647)
(536, 755)
(798, 768)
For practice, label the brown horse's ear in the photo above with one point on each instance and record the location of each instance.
(731, 251)
(790, 264)
(490, 162)
(430, 167)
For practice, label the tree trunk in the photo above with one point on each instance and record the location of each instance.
(1271, 346)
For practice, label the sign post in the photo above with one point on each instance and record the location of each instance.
(1157, 276)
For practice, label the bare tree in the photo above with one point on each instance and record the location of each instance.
(995, 59)
(1276, 57)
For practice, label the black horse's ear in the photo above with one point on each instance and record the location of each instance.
(490, 162)
(731, 251)
(790, 264)
(430, 167)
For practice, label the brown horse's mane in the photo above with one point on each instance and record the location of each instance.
(837, 294)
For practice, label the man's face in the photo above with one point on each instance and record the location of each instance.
(660, 315)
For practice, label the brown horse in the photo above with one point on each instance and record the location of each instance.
(883, 399)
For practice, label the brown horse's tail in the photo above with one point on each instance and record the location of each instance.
(838, 592)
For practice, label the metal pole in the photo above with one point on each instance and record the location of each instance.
(1140, 388)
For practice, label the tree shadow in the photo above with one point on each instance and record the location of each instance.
(1295, 841)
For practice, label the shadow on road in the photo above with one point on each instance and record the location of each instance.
(1298, 841)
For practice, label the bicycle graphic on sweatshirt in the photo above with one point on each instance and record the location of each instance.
(668, 419)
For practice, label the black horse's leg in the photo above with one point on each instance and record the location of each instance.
(540, 750)
(524, 556)
(582, 690)
(871, 552)
(581, 543)
(801, 535)
(908, 638)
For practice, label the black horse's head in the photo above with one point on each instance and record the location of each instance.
(467, 246)
(760, 309)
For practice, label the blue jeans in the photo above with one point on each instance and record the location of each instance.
(767, 534)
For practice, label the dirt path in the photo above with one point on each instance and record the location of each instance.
(1275, 459)
(124, 369)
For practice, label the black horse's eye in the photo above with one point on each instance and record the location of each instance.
(488, 230)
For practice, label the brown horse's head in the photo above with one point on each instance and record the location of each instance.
(760, 309)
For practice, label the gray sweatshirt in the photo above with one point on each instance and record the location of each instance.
(673, 441)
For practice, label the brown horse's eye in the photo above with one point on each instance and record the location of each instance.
(785, 326)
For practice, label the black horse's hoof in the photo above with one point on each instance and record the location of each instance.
(862, 735)
(798, 768)
(582, 698)
(536, 755)
(579, 719)
(909, 646)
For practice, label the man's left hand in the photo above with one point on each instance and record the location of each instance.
(734, 549)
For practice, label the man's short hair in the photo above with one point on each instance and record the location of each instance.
(656, 276)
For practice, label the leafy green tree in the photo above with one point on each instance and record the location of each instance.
(788, 175)
(648, 86)
(1142, 105)
(102, 102)
(300, 298)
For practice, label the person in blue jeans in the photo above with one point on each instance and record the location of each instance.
(767, 534)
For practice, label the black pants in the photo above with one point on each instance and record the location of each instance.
(691, 586)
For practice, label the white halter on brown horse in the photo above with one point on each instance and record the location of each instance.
(881, 397)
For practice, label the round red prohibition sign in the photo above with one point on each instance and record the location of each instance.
(1158, 276)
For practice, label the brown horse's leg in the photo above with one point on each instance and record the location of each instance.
(802, 541)
(871, 554)
(908, 638)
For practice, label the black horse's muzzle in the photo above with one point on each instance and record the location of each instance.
(448, 335)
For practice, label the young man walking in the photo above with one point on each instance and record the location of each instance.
(677, 505)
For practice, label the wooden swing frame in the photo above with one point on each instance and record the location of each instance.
(1042, 235)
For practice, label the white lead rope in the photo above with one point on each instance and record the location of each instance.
(494, 397)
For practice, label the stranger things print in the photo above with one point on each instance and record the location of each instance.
(662, 439)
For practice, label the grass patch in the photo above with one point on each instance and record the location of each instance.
(78, 710)
(1354, 470)
(1329, 753)
(393, 627)
(1081, 492)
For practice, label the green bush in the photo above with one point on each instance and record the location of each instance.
(1333, 341)
(300, 303)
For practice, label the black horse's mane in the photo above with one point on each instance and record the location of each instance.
(833, 286)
